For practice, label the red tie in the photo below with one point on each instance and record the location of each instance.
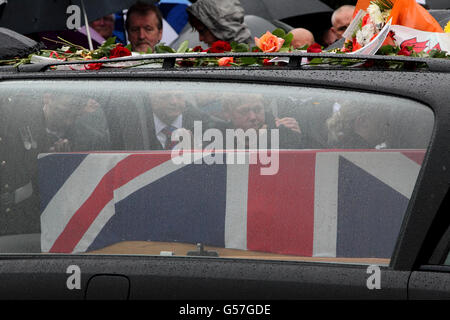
(167, 131)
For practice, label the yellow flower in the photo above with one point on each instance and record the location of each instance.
(447, 27)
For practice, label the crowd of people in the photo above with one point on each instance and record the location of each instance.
(213, 20)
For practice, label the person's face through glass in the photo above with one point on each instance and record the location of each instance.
(143, 31)
(249, 115)
(204, 35)
(60, 111)
(168, 106)
(341, 23)
(104, 26)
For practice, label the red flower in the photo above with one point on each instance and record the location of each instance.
(365, 19)
(219, 47)
(368, 64)
(404, 52)
(391, 34)
(95, 66)
(119, 51)
(266, 62)
(185, 62)
(197, 49)
(314, 48)
(356, 45)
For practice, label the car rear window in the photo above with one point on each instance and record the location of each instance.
(206, 168)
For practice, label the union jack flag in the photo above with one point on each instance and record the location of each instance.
(321, 203)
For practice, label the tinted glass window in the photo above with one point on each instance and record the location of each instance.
(245, 170)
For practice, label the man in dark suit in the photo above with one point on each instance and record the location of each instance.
(169, 111)
(247, 111)
(22, 138)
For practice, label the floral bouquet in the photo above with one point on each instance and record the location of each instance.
(371, 16)
(367, 25)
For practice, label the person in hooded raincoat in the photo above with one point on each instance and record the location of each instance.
(219, 20)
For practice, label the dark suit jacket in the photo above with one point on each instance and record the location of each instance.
(23, 137)
(288, 139)
(190, 115)
(138, 128)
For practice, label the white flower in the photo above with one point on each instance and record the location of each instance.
(364, 35)
(375, 14)
(386, 14)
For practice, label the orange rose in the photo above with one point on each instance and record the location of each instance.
(269, 43)
(225, 62)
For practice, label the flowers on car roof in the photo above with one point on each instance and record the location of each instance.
(270, 42)
(369, 24)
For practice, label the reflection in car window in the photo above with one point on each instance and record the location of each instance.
(447, 260)
(246, 170)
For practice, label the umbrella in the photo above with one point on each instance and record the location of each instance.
(318, 23)
(13, 44)
(438, 4)
(441, 16)
(31, 16)
(281, 9)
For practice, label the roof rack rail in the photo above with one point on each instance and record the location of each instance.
(295, 59)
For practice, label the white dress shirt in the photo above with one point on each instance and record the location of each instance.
(159, 126)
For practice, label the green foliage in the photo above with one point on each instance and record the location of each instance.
(280, 33)
(288, 37)
(247, 61)
(384, 4)
(438, 54)
(239, 47)
(162, 48)
(104, 49)
(388, 50)
(184, 47)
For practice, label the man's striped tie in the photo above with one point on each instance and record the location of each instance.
(167, 131)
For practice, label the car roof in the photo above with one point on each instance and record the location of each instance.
(293, 61)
